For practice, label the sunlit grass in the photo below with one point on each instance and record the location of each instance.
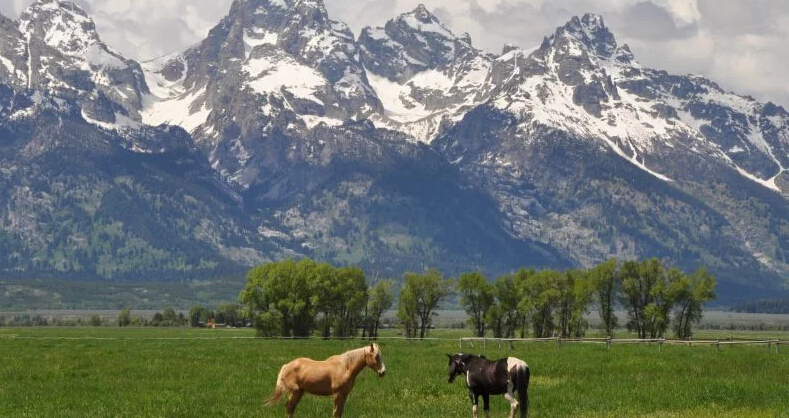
(144, 372)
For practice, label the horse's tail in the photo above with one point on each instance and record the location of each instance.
(522, 382)
(279, 390)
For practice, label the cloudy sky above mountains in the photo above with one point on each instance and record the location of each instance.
(743, 45)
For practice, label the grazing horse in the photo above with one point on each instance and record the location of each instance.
(485, 378)
(334, 376)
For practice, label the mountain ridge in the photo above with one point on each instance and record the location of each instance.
(399, 149)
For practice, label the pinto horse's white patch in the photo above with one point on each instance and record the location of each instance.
(515, 363)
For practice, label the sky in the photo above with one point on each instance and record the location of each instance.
(743, 45)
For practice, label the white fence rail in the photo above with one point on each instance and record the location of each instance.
(483, 341)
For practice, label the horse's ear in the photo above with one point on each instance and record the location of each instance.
(372, 346)
(450, 357)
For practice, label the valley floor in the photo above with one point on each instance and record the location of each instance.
(188, 372)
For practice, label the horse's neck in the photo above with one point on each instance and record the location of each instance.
(354, 360)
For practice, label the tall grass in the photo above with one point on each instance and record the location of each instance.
(139, 372)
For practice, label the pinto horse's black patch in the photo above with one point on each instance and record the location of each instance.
(484, 378)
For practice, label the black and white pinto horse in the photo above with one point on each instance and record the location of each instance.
(485, 377)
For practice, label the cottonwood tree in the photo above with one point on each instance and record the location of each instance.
(605, 281)
(638, 281)
(540, 299)
(505, 315)
(380, 299)
(573, 296)
(698, 288)
(420, 297)
(406, 311)
(476, 296)
(326, 297)
(124, 318)
(352, 288)
(279, 294)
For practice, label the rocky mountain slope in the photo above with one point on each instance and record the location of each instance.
(281, 134)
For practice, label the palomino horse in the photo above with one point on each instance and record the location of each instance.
(334, 376)
(485, 378)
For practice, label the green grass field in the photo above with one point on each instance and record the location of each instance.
(150, 372)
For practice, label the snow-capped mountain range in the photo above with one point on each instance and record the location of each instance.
(402, 147)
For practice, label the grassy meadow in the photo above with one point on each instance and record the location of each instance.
(155, 372)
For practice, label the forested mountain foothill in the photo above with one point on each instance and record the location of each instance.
(283, 135)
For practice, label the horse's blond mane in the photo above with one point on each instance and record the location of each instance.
(351, 357)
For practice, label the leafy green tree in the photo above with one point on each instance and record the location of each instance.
(124, 317)
(169, 317)
(281, 291)
(326, 296)
(541, 299)
(508, 312)
(697, 289)
(476, 296)
(495, 320)
(157, 319)
(638, 281)
(664, 294)
(381, 299)
(353, 290)
(575, 294)
(650, 292)
(423, 293)
(229, 313)
(504, 315)
(606, 282)
(198, 314)
(406, 311)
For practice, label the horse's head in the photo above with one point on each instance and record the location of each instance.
(373, 358)
(457, 366)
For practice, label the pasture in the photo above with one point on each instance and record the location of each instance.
(151, 372)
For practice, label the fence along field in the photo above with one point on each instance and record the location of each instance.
(150, 372)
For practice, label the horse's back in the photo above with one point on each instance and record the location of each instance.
(313, 376)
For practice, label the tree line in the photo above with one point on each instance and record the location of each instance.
(294, 298)
(555, 303)
(297, 298)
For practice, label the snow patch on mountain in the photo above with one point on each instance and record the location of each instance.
(268, 76)
(188, 110)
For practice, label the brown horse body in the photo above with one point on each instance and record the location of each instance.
(334, 376)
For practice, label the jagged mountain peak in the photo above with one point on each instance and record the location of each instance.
(422, 14)
(62, 25)
(421, 20)
(575, 146)
(65, 55)
(588, 31)
(277, 14)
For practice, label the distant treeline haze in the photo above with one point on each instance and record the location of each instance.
(300, 298)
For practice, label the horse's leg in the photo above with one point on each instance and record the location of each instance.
(293, 400)
(474, 401)
(513, 403)
(339, 403)
(486, 404)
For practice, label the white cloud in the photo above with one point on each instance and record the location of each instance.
(742, 45)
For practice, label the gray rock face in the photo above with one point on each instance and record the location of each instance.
(268, 69)
(579, 122)
(425, 76)
(280, 135)
(65, 55)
